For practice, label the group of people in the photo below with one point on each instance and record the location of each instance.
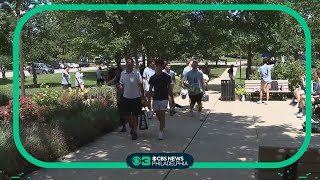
(154, 90)
(300, 94)
(79, 81)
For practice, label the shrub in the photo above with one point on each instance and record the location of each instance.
(46, 96)
(4, 99)
(289, 71)
(29, 111)
(240, 90)
(69, 124)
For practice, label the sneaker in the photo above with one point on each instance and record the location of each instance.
(124, 129)
(266, 103)
(300, 115)
(134, 136)
(259, 102)
(160, 137)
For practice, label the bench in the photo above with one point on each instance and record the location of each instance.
(253, 87)
(307, 167)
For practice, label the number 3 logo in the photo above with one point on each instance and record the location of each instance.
(146, 161)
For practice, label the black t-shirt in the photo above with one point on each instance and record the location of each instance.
(161, 83)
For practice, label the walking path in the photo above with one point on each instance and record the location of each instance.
(232, 132)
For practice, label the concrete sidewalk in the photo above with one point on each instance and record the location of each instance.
(232, 132)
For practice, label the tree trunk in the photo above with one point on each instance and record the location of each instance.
(118, 59)
(249, 62)
(21, 64)
(136, 56)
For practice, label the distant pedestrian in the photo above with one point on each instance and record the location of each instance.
(230, 72)
(206, 69)
(66, 84)
(34, 75)
(188, 67)
(79, 82)
(147, 73)
(99, 76)
(3, 71)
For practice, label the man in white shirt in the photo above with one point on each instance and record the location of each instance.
(133, 96)
(147, 73)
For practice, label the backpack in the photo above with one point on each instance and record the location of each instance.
(274, 86)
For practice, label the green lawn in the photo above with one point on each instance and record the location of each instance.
(53, 80)
(243, 76)
(231, 59)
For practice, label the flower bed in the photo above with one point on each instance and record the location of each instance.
(52, 125)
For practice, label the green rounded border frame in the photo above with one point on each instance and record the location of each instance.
(141, 7)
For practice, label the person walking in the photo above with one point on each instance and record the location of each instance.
(162, 84)
(66, 80)
(99, 76)
(188, 67)
(172, 74)
(131, 85)
(230, 72)
(79, 82)
(194, 82)
(3, 71)
(265, 74)
(147, 73)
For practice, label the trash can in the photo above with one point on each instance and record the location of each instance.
(228, 90)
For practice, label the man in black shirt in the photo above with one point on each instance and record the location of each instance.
(161, 82)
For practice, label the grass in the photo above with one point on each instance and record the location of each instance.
(231, 59)
(243, 76)
(53, 80)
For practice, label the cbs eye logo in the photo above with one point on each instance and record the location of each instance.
(144, 161)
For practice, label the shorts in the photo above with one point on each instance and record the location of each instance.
(196, 98)
(100, 81)
(160, 105)
(131, 106)
(66, 86)
(146, 93)
(77, 85)
(264, 85)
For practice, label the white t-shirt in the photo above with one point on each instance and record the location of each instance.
(147, 73)
(131, 84)
(99, 74)
(79, 78)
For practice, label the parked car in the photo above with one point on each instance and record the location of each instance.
(55, 65)
(73, 65)
(84, 64)
(41, 68)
